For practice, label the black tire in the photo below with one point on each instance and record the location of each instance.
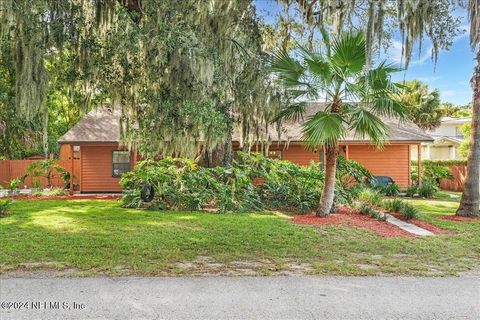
(147, 193)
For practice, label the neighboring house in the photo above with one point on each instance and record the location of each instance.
(102, 161)
(446, 140)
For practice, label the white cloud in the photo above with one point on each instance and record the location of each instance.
(394, 54)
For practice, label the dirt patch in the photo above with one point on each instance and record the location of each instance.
(422, 224)
(460, 219)
(82, 197)
(354, 218)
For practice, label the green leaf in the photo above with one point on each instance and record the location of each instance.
(367, 125)
(324, 129)
(288, 70)
(348, 53)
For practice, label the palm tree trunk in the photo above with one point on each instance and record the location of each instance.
(469, 204)
(328, 192)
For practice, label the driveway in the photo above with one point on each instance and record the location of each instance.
(292, 297)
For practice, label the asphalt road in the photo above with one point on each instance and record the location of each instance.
(241, 298)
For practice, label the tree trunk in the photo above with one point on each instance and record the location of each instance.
(328, 192)
(469, 204)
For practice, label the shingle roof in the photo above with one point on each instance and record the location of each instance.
(103, 125)
(292, 131)
(99, 125)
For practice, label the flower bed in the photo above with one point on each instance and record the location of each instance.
(353, 218)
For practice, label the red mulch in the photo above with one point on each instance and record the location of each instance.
(354, 218)
(460, 219)
(422, 224)
(86, 197)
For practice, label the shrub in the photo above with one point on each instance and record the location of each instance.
(391, 190)
(427, 189)
(394, 205)
(4, 204)
(433, 171)
(371, 197)
(15, 183)
(409, 211)
(182, 184)
(411, 191)
(367, 210)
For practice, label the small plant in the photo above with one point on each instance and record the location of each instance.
(409, 211)
(366, 210)
(371, 197)
(427, 189)
(15, 183)
(4, 204)
(51, 193)
(391, 190)
(411, 191)
(394, 205)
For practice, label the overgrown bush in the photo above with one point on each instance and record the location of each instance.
(432, 171)
(182, 184)
(427, 189)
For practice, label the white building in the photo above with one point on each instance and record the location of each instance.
(446, 140)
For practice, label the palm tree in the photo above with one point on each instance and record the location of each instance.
(355, 98)
(470, 202)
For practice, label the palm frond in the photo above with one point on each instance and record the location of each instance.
(324, 128)
(288, 70)
(292, 112)
(316, 64)
(366, 124)
(348, 53)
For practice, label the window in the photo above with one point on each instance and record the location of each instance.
(120, 163)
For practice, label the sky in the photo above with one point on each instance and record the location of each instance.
(451, 75)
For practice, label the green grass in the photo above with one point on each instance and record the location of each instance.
(99, 237)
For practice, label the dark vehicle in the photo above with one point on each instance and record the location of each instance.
(382, 181)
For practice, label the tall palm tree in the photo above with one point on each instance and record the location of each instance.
(355, 98)
(470, 201)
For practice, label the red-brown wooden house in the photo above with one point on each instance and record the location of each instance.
(95, 140)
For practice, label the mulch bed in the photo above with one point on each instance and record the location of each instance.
(460, 219)
(422, 224)
(86, 197)
(354, 218)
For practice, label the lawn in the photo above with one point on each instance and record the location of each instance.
(84, 237)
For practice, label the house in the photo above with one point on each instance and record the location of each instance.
(95, 140)
(446, 140)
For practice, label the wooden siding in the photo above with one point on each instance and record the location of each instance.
(96, 163)
(300, 155)
(392, 161)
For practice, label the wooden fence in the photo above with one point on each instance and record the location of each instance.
(455, 184)
(10, 169)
